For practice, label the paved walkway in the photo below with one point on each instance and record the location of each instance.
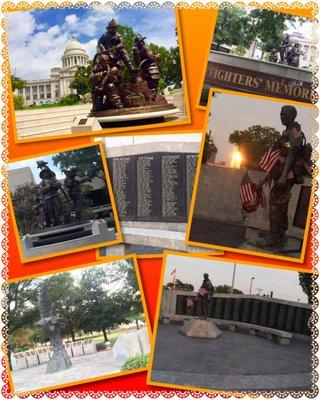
(83, 368)
(235, 361)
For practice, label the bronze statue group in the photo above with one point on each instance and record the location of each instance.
(289, 53)
(109, 88)
(49, 189)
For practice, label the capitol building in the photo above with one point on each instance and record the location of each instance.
(57, 86)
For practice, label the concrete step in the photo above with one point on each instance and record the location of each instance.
(59, 110)
(41, 117)
(52, 130)
(49, 120)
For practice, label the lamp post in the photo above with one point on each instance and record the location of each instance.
(233, 277)
(251, 284)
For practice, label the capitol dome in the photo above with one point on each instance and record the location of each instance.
(74, 54)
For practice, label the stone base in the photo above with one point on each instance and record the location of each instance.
(65, 238)
(200, 328)
(58, 362)
(134, 113)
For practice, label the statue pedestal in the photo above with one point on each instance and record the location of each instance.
(59, 361)
(200, 328)
(65, 237)
(146, 113)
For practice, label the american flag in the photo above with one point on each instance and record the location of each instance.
(269, 159)
(246, 193)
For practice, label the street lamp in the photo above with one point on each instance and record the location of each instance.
(251, 284)
(233, 277)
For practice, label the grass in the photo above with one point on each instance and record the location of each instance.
(52, 105)
(112, 335)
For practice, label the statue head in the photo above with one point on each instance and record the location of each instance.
(206, 276)
(288, 115)
(112, 26)
(139, 40)
(41, 164)
(46, 173)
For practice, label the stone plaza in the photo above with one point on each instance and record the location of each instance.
(234, 361)
(83, 368)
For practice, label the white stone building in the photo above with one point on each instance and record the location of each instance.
(57, 86)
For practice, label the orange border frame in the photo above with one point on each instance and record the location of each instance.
(109, 188)
(22, 7)
(197, 178)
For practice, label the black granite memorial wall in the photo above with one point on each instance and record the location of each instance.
(153, 186)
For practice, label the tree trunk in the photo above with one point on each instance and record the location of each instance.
(72, 334)
(137, 324)
(105, 334)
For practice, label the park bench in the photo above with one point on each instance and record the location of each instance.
(282, 337)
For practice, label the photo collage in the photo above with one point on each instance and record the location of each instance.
(159, 199)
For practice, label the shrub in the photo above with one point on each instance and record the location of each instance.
(135, 362)
(18, 102)
(69, 100)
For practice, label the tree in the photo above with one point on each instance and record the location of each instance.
(209, 148)
(233, 28)
(180, 286)
(226, 289)
(24, 200)
(253, 143)
(17, 83)
(81, 80)
(101, 310)
(305, 281)
(269, 26)
(124, 271)
(237, 28)
(66, 299)
(82, 158)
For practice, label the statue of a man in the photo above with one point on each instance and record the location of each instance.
(293, 56)
(49, 190)
(204, 295)
(284, 48)
(104, 79)
(146, 59)
(73, 182)
(273, 57)
(112, 40)
(284, 175)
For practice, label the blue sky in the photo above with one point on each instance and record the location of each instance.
(40, 37)
(32, 164)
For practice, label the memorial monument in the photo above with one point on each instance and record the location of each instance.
(202, 326)
(52, 325)
(119, 98)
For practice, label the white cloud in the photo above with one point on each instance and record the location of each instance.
(35, 48)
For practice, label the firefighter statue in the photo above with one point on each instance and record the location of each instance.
(146, 59)
(287, 164)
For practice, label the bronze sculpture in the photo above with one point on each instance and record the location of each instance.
(293, 163)
(73, 183)
(146, 59)
(123, 87)
(49, 192)
(52, 325)
(204, 295)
